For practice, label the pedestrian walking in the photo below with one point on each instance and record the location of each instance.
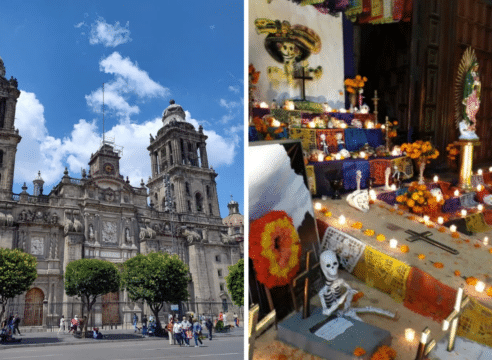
(209, 326)
(170, 331)
(16, 324)
(144, 324)
(62, 325)
(236, 320)
(177, 329)
(197, 332)
(186, 332)
(74, 323)
(135, 322)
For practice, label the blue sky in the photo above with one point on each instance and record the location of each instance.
(146, 53)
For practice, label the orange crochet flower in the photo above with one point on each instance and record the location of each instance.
(380, 237)
(357, 225)
(369, 232)
(357, 296)
(421, 256)
(442, 229)
(471, 280)
(456, 235)
(404, 249)
(359, 351)
(457, 273)
(438, 265)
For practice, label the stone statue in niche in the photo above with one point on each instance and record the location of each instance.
(128, 238)
(91, 233)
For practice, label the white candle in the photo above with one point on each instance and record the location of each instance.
(409, 334)
(383, 127)
(490, 169)
(479, 172)
(321, 157)
(393, 243)
(338, 156)
(479, 187)
(480, 207)
(264, 105)
(436, 178)
(343, 126)
(372, 194)
(440, 220)
(463, 212)
(438, 197)
(311, 125)
(480, 286)
(486, 240)
(393, 187)
(275, 123)
(426, 218)
(452, 228)
(342, 220)
(362, 154)
(317, 206)
(456, 193)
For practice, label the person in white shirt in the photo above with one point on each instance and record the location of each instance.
(62, 325)
(177, 329)
(186, 325)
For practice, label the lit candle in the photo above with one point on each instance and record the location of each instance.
(479, 187)
(393, 187)
(311, 125)
(321, 157)
(438, 197)
(436, 178)
(343, 126)
(383, 127)
(452, 228)
(479, 172)
(456, 193)
(393, 243)
(480, 207)
(338, 156)
(490, 169)
(317, 206)
(275, 123)
(370, 125)
(480, 286)
(394, 152)
(426, 218)
(486, 240)
(342, 220)
(463, 212)
(372, 194)
(409, 334)
(440, 220)
(362, 154)
(264, 105)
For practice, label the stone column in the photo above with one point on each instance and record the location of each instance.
(203, 155)
(152, 164)
(176, 151)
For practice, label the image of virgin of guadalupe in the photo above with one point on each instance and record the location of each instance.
(471, 96)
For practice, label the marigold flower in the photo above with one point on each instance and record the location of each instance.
(380, 237)
(457, 273)
(421, 256)
(369, 232)
(357, 225)
(442, 229)
(404, 249)
(328, 214)
(456, 235)
(438, 265)
(477, 246)
(471, 280)
(357, 296)
(489, 291)
(359, 351)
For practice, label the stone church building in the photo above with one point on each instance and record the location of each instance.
(102, 216)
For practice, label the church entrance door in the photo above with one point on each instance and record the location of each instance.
(110, 308)
(33, 309)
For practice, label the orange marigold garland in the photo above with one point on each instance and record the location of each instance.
(404, 249)
(357, 225)
(457, 273)
(380, 237)
(369, 232)
(275, 249)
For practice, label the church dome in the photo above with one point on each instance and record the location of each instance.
(173, 112)
(233, 220)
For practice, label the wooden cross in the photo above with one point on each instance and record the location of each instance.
(305, 275)
(255, 328)
(375, 100)
(303, 77)
(425, 236)
(453, 318)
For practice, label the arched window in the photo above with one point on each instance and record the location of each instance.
(210, 209)
(199, 202)
(208, 191)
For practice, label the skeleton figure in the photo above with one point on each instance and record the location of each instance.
(324, 144)
(332, 294)
(359, 199)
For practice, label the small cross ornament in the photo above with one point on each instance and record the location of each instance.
(306, 276)
(453, 318)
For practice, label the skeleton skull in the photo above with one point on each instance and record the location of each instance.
(329, 265)
(289, 50)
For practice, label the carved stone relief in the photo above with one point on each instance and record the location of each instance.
(109, 232)
(37, 246)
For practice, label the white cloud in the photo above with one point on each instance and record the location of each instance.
(109, 35)
(40, 151)
(128, 80)
(80, 24)
(234, 89)
(234, 108)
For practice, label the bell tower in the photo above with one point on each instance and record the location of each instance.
(179, 153)
(9, 136)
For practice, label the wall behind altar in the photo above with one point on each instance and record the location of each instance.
(330, 57)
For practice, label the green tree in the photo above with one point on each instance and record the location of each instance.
(17, 273)
(156, 278)
(89, 278)
(235, 282)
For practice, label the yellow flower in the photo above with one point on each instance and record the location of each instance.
(410, 203)
(415, 196)
(369, 232)
(380, 237)
(357, 225)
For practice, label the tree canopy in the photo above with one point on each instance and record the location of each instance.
(156, 278)
(17, 273)
(89, 278)
(235, 282)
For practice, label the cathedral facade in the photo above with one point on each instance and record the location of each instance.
(101, 216)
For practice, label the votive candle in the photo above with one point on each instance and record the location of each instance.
(480, 287)
(393, 243)
(440, 220)
(486, 240)
(409, 334)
